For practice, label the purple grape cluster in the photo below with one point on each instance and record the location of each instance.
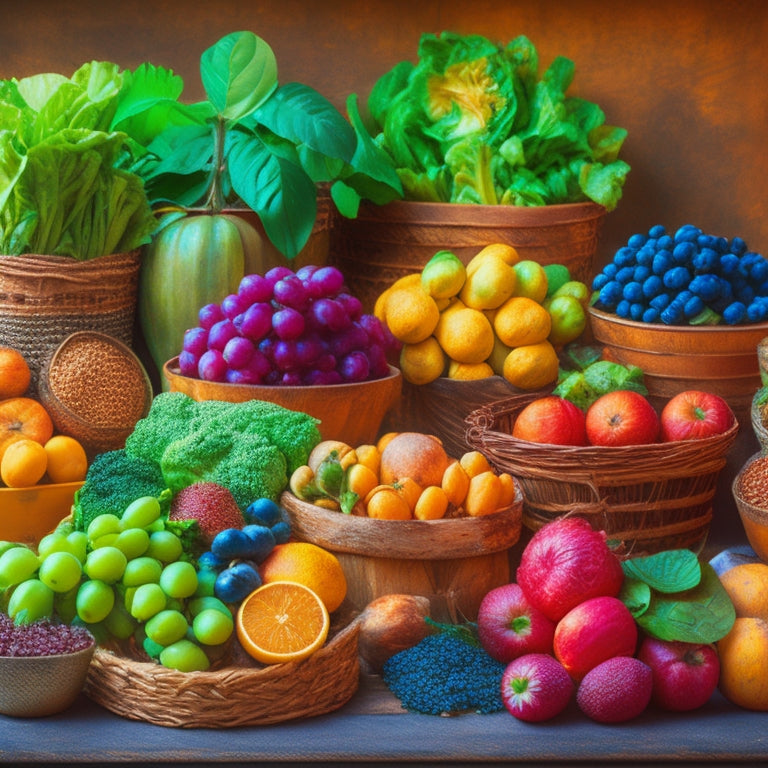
(287, 328)
(41, 638)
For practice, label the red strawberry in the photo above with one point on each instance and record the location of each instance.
(211, 504)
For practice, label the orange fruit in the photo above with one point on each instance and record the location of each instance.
(282, 621)
(67, 460)
(409, 489)
(747, 586)
(23, 417)
(532, 366)
(423, 362)
(483, 495)
(23, 464)
(501, 250)
(455, 483)
(432, 504)
(508, 489)
(744, 663)
(415, 455)
(15, 374)
(465, 334)
(489, 284)
(474, 463)
(361, 480)
(520, 321)
(411, 314)
(402, 282)
(385, 502)
(383, 441)
(310, 565)
(469, 371)
(369, 455)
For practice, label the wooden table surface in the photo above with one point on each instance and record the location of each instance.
(372, 727)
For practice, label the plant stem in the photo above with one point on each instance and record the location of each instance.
(215, 200)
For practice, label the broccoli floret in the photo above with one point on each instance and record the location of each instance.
(248, 464)
(115, 479)
(168, 419)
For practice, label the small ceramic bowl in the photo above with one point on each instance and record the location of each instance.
(36, 686)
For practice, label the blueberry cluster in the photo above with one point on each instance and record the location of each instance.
(444, 673)
(232, 562)
(688, 277)
(41, 638)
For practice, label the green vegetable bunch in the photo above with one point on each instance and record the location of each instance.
(253, 142)
(61, 191)
(598, 378)
(472, 122)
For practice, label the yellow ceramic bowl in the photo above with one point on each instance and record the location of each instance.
(352, 413)
(27, 514)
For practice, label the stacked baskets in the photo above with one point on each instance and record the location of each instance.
(649, 498)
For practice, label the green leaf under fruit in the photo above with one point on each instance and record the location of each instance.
(670, 571)
(703, 614)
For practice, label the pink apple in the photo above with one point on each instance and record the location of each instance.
(622, 417)
(594, 631)
(536, 687)
(566, 562)
(616, 690)
(693, 414)
(685, 675)
(509, 626)
(553, 420)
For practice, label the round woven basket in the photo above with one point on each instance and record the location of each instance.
(229, 696)
(43, 299)
(95, 389)
(385, 242)
(453, 561)
(648, 497)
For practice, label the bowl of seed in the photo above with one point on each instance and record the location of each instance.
(750, 492)
(43, 666)
(95, 389)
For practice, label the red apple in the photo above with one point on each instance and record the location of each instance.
(508, 626)
(535, 687)
(553, 420)
(566, 562)
(622, 417)
(593, 632)
(693, 414)
(685, 675)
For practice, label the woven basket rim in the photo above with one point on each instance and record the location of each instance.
(668, 455)
(230, 696)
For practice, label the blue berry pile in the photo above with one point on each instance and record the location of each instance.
(685, 278)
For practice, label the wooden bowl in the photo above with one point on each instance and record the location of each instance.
(351, 413)
(717, 358)
(454, 561)
(28, 514)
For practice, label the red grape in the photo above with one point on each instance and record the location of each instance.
(254, 288)
(195, 340)
(221, 333)
(288, 323)
(212, 366)
(238, 352)
(256, 321)
(209, 315)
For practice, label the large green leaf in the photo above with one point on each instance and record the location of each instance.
(703, 614)
(239, 72)
(669, 571)
(279, 191)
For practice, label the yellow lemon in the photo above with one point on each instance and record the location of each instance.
(490, 285)
(520, 321)
(531, 280)
(500, 250)
(422, 362)
(498, 356)
(469, 371)
(465, 334)
(410, 313)
(402, 282)
(532, 367)
(442, 277)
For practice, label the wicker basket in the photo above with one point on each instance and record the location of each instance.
(43, 299)
(758, 424)
(649, 498)
(231, 696)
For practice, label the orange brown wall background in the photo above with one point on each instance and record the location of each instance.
(687, 79)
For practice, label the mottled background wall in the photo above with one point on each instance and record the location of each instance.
(687, 78)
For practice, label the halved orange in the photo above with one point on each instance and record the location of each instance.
(282, 621)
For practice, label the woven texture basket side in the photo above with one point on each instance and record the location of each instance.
(758, 424)
(232, 696)
(650, 497)
(43, 299)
